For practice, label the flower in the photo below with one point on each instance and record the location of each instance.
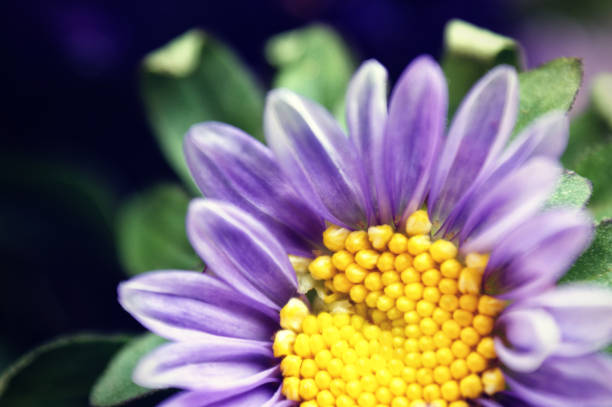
(449, 304)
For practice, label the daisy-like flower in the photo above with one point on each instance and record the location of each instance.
(431, 257)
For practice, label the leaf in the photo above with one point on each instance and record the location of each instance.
(115, 385)
(469, 52)
(594, 126)
(314, 62)
(595, 264)
(192, 79)
(151, 231)
(58, 374)
(552, 86)
(596, 165)
(572, 191)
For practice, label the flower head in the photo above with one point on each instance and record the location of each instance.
(433, 262)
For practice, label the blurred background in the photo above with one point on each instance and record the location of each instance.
(76, 141)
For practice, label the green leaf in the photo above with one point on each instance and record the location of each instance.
(552, 86)
(469, 52)
(151, 231)
(594, 126)
(572, 191)
(192, 79)
(596, 165)
(58, 374)
(595, 264)
(115, 385)
(314, 62)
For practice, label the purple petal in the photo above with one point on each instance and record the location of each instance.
(319, 160)
(229, 165)
(241, 251)
(583, 313)
(478, 133)
(547, 137)
(508, 204)
(537, 253)
(219, 366)
(526, 339)
(185, 305)
(417, 116)
(366, 115)
(262, 396)
(562, 382)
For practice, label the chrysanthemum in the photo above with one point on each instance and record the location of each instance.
(433, 261)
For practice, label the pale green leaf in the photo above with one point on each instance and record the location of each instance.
(552, 86)
(192, 79)
(572, 191)
(595, 264)
(314, 62)
(151, 231)
(115, 386)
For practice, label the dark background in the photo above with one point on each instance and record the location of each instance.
(75, 141)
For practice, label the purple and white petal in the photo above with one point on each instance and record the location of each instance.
(583, 314)
(546, 136)
(366, 115)
(217, 365)
(229, 165)
(508, 204)
(537, 253)
(318, 159)
(525, 338)
(477, 135)
(263, 396)
(241, 251)
(561, 382)
(412, 138)
(187, 305)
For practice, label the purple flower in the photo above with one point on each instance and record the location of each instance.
(446, 306)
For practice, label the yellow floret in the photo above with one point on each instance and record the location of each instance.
(418, 223)
(357, 240)
(379, 236)
(334, 237)
(322, 268)
(292, 314)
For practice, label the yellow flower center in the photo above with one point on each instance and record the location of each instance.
(417, 332)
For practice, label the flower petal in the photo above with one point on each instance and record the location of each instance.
(417, 115)
(537, 253)
(215, 365)
(241, 251)
(229, 165)
(529, 337)
(582, 313)
(187, 305)
(562, 382)
(512, 201)
(366, 115)
(319, 160)
(262, 396)
(477, 135)
(547, 136)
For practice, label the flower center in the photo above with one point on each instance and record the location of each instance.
(417, 331)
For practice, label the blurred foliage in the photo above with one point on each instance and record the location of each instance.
(589, 151)
(314, 62)
(151, 231)
(62, 372)
(192, 79)
(115, 386)
(469, 53)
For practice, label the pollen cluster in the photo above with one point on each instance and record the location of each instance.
(418, 332)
